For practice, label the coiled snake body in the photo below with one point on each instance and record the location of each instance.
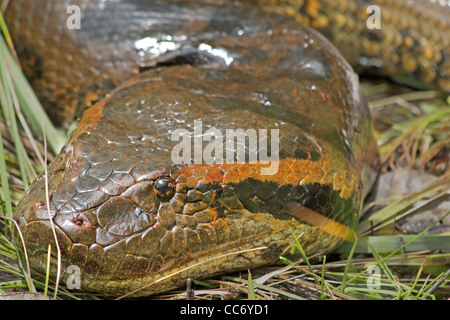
(136, 221)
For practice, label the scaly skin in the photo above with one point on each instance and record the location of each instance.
(134, 221)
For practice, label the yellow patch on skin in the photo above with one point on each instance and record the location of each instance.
(324, 223)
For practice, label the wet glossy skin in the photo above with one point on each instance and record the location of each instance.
(135, 221)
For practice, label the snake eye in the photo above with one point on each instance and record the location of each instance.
(165, 188)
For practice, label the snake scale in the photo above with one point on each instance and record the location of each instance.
(133, 220)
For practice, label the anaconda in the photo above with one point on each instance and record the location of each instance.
(157, 75)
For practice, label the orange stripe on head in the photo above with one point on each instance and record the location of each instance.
(290, 171)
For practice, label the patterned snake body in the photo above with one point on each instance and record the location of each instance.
(130, 218)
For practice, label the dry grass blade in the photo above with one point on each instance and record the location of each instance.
(409, 136)
(421, 128)
(25, 271)
(398, 206)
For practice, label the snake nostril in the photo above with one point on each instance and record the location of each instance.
(165, 188)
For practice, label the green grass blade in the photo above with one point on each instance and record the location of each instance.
(6, 195)
(298, 246)
(28, 101)
(347, 265)
(322, 280)
(382, 260)
(251, 288)
(7, 100)
(381, 263)
(390, 243)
